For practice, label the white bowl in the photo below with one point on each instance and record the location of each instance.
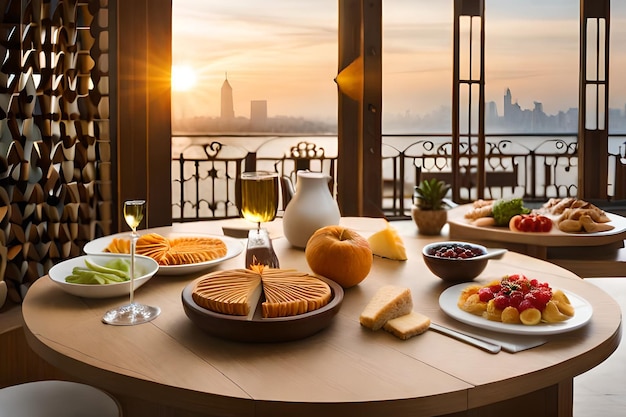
(60, 271)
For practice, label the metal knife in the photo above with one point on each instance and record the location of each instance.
(489, 347)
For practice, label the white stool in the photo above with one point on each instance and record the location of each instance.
(56, 399)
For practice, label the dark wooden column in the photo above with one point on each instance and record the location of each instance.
(593, 104)
(359, 80)
(468, 141)
(142, 109)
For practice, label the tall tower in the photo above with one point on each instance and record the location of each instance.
(227, 109)
(507, 104)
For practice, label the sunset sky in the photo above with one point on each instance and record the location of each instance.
(285, 52)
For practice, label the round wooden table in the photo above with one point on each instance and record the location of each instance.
(170, 367)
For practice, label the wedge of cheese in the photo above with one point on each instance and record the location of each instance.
(387, 243)
(388, 303)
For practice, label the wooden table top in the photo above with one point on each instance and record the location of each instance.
(343, 370)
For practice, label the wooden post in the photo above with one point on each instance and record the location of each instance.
(593, 103)
(143, 107)
(472, 9)
(359, 81)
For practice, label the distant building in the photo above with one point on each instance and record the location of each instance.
(507, 103)
(513, 113)
(227, 108)
(258, 114)
(492, 111)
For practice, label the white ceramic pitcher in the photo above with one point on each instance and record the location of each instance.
(311, 208)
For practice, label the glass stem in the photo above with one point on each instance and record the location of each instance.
(133, 244)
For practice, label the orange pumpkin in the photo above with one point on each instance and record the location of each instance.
(340, 254)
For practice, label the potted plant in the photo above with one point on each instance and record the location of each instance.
(429, 211)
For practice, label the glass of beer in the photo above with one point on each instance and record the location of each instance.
(259, 203)
(259, 196)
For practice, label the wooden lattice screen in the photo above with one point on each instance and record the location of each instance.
(55, 144)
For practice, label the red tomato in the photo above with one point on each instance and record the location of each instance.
(514, 223)
(546, 223)
(530, 223)
(527, 224)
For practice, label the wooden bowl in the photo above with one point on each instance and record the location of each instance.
(262, 330)
(455, 269)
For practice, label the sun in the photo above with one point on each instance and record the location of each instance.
(183, 78)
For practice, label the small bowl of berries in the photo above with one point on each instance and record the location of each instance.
(456, 261)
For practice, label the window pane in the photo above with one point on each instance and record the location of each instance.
(617, 72)
(417, 66)
(532, 51)
(279, 55)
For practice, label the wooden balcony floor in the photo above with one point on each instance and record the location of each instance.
(602, 390)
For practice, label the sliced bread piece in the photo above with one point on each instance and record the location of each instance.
(388, 303)
(408, 325)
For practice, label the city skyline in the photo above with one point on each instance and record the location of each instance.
(286, 54)
(510, 117)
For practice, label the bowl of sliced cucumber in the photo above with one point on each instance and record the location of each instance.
(102, 276)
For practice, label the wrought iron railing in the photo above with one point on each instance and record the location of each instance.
(206, 171)
(530, 167)
(533, 167)
(204, 181)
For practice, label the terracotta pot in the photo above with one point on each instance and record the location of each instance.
(429, 222)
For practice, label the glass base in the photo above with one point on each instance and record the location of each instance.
(259, 250)
(131, 314)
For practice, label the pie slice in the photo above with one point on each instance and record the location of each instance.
(288, 293)
(192, 249)
(183, 250)
(235, 292)
(284, 292)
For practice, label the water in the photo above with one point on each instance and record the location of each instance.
(277, 145)
(563, 170)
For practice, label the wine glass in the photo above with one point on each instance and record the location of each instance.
(132, 313)
(259, 203)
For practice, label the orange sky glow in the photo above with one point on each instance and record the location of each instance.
(285, 52)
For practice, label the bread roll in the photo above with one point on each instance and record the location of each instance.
(484, 222)
(592, 226)
(479, 211)
(570, 226)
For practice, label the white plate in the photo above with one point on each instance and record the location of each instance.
(233, 248)
(583, 312)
